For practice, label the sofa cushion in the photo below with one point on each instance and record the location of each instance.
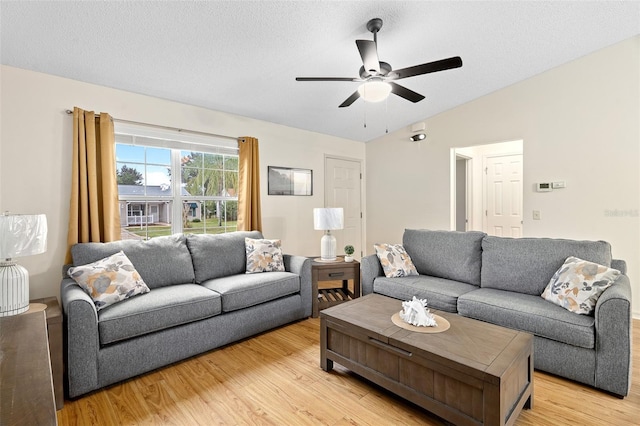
(394, 260)
(525, 265)
(445, 254)
(220, 255)
(159, 309)
(242, 291)
(263, 255)
(109, 280)
(440, 293)
(528, 313)
(161, 261)
(578, 284)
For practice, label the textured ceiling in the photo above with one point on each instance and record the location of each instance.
(242, 57)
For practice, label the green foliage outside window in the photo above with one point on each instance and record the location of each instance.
(129, 176)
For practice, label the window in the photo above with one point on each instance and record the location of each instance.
(170, 183)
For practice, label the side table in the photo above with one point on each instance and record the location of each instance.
(54, 330)
(333, 271)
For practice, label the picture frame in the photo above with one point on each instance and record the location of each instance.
(289, 181)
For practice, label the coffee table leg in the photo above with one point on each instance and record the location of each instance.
(325, 363)
(528, 404)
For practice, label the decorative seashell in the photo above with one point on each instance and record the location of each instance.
(415, 312)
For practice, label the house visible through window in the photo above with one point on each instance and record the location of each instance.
(169, 183)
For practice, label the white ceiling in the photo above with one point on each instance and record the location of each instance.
(242, 57)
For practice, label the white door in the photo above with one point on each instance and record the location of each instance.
(503, 208)
(343, 189)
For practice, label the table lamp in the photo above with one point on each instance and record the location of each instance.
(328, 219)
(20, 235)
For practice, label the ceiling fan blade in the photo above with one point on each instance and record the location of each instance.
(441, 65)
(327, 79)
(369, 54)
(351, 99)
(403, 92)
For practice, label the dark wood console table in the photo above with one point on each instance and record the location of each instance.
(54, 330)
(26, 385)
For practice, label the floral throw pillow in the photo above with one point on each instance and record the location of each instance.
(395, 260)
(578, 284)
(109, 280)
(263, 255)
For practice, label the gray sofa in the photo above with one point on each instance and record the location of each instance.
(500, 280)
(200, 299)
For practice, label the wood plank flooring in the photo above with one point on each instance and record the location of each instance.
(275, 379)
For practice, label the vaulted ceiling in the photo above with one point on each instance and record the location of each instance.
(242, 57)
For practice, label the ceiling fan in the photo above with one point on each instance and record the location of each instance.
(378, 77)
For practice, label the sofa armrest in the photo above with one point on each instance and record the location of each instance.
(620, 265)
(613, 322)
(81, 338)
(301, 266)
(370, 269)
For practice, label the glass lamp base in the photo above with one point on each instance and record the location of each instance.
(328, 247)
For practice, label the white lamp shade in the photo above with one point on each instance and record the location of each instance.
(328, 218)
(22, 235)
(374, 91)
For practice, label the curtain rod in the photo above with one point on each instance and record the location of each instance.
(195, 132)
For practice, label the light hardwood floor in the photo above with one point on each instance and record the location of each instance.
(275, 379)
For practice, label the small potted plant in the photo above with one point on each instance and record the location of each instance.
(348, 250)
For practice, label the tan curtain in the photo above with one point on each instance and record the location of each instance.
(94, 215)
(249, 214)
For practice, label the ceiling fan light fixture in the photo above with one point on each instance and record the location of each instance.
(374, 91)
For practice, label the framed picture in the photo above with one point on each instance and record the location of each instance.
(288, 181)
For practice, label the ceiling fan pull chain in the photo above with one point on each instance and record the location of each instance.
(386, 115)
(365, 114)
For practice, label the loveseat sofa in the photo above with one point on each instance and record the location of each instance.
(500, 280)
(200, 298)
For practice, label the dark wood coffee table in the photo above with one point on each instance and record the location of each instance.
(475, 373)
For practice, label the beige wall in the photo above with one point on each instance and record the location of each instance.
(35, 144)
(579, 123)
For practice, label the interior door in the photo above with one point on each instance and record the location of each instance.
(343, 189)
(503, 205)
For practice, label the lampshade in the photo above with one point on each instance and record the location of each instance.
(20, 235)
(328, 218)
(374, 90)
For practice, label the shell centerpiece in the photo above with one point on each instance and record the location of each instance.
(415, 312)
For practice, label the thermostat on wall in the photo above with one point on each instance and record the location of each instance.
(543, 187)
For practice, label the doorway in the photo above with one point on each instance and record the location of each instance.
(488, 194)
(343, 188)
(463, 173)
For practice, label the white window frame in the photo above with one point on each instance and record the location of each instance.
(175, 141)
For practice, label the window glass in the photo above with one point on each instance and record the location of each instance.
(130, 153)
(205, 201)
